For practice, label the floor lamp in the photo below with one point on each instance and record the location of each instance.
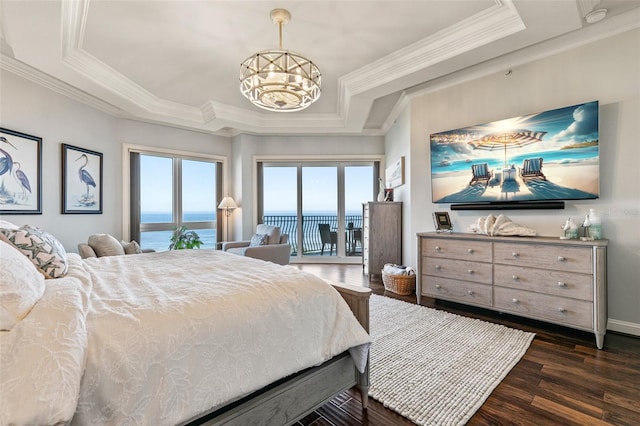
(228, 205)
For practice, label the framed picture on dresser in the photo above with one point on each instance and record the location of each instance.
(442, 222)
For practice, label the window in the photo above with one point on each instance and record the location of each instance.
(319, 204)
(169, 191)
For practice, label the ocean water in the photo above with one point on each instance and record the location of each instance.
(560, 156)
(160, 240)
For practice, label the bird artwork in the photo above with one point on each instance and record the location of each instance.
(87, 180)
(6, 162)
(22, 180)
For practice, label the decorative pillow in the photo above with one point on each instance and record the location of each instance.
(21, 286)
(259, 240)
(131, 247)
(273, 233)
(105, 245)
(42, 248)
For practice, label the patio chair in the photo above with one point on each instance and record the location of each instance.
(327, 236)
(532, 168)
(480, 173)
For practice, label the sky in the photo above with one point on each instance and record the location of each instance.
(280, 195)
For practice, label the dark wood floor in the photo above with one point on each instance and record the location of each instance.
(563, 379)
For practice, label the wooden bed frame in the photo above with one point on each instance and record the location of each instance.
(290, 399)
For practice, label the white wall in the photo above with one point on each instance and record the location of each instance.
(397, 145)
(608, 71)
(247, 147)
(32, 109)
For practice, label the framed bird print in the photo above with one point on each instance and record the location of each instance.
(20, 173)
(81, 180)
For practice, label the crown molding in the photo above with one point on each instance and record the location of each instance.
(489, 25)
(25, 71)
(607, 28)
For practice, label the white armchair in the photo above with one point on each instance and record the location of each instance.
(266, 244)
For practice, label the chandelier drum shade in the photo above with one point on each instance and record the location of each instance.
(280, 80)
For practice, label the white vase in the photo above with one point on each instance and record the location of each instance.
(595, 229)
(381, 190)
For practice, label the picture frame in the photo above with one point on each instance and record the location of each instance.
(395, 173)
(388, 194)
(20, 173)
(81, 180)
(442, 222)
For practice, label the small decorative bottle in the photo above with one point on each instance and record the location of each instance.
(595, 230)
(573, 230)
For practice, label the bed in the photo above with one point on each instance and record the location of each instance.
(181, 337)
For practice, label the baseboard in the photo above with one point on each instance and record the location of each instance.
(624, 327)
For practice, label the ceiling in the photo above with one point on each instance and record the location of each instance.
(177, 62)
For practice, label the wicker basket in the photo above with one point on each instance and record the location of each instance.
(399, 284)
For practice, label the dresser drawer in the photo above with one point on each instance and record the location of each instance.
(479, 251)
(564, 284)
(572, 259)
(571, 312)
(456, 290)
(458, 269)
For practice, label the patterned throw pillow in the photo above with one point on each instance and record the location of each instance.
(42, 248)
(21, 286)
(259, 240)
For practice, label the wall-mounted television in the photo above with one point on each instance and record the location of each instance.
(531, 159)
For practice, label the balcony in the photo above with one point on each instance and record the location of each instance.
(312, 242)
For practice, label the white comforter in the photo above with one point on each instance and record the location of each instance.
(171, 335)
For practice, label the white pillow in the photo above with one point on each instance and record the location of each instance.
(131, 247)
(42, 248)
(105, 245)
(273, 233)
(21, 286)
(7, 225)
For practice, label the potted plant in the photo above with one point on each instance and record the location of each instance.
(183, 238)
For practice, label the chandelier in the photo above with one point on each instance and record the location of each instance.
(280, 80)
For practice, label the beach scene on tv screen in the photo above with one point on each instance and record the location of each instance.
(552, 155)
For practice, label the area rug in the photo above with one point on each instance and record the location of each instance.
(434, 367)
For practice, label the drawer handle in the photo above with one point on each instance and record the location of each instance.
(516, 301)
(562, 310)
(470, 292)
(438, 286)
(470, 251)
(561, 284)
(562, 259)
(438, 267)
(438, 248)
(515, 278)
(514, 254)
(471, 271)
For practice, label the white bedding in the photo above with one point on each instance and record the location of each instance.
(42, 358)
(173, 334)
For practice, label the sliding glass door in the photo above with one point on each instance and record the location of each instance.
(319, 204)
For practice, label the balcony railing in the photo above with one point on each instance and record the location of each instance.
(312, 243)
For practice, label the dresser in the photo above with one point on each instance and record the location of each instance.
(559, 281)
(381, 235)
